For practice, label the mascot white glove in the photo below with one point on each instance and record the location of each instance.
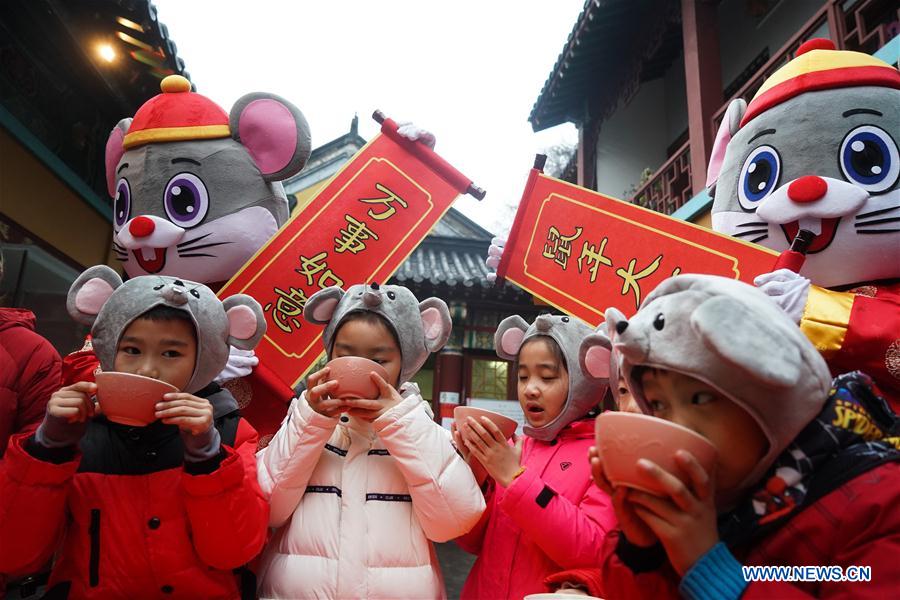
(240, 364)
(495, 253)
(787, 289)
(411, 132)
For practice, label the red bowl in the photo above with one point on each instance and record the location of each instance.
(352, 375)
(130, 399)
(624, 438)
(506, 425)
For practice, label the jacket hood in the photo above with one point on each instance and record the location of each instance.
(16, 317)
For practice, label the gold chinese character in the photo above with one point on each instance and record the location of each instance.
(310, 267)
(288, 307)
(559, 247)
(630, 278)
(593, 255)
(387, 202)
(353, 238)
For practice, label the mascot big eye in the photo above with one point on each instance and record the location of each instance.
(196, 192)
(817, 149)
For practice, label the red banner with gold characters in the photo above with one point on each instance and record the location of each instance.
(582, 252)
(359, 228)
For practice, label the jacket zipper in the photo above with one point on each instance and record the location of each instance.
(94, 531)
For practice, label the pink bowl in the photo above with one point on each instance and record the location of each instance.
(507, 426)
(130, 399)
(623, 438)
(352, 375)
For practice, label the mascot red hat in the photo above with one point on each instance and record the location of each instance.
(177, 114)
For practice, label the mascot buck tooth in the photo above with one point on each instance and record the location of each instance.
(817, 149)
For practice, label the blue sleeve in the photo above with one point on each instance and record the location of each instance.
(716, 576)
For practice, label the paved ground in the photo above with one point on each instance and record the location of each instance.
(455, 564)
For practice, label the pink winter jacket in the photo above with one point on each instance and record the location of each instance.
(357, 505)
(551, 518)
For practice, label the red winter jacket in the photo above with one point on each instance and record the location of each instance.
(856, 524)
(29, 373)
(127, 519)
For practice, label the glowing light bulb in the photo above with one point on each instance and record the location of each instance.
(106, 52)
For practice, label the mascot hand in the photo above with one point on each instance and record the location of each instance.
(787, 289)
(411, 132)
(495, 253)
(240, 364)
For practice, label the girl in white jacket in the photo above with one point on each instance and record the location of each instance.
(356, 497)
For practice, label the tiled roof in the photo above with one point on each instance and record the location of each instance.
(446, 261)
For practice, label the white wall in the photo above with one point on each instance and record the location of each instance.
(741, 38)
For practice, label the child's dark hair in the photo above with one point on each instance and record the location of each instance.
(550, 344)
(373, 318)
(161, 312)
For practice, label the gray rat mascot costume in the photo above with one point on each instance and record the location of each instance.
(343, 491)
(187, 506)
(831, 446)
(196, 192)
(817, 149)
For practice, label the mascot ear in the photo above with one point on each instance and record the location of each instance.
(90, 292)
(246, 324)
(509, 335)
(319, 309)
(114, 151)
(731, 122)
(275, 133)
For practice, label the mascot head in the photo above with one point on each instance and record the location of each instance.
(816, 149)
(197, 191)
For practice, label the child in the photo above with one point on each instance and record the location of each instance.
(543, 513)
(356, 497)
(804, 475)
(164, 510)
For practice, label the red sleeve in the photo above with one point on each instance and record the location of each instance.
(227, 511)
(657, 581)
(589, 579)
(570, 534)
(40, 378)
(472, 541)
(32, 507)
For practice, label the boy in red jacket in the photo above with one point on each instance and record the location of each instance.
(807, 472)
(165, 510)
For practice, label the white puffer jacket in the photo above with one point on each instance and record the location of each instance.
(356, 503)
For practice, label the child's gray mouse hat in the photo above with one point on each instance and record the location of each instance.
(731, 336)
(99, 298)
(421, 327)
(587, 354)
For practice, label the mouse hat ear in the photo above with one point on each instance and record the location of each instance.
(89, 293)
(274, 132)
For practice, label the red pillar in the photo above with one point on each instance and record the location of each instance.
(703, 80)
(448, 377)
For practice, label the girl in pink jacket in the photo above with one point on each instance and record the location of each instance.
(543, 514)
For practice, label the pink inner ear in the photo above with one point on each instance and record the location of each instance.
(596, 361)
(241, 322)
(92, 296)
(431, 321)
(268, 131)
(324, 310)
(511, 340)
(114, 152)
(717, 157)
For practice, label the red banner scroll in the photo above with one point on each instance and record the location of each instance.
(582, 251)
(359, 228)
